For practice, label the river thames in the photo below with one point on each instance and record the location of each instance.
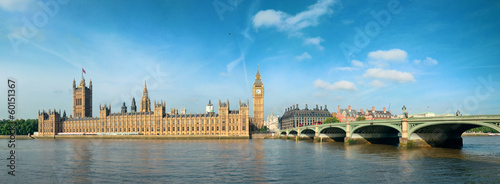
(248, 161)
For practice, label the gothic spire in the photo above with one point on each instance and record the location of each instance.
(257, 82)
(257, 76)
(145, 91)
(133, 107)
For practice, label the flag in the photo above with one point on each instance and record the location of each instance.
(83, 70)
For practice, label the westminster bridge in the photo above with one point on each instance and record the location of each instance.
(406, 132)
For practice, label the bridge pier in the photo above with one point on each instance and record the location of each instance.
(372, 138)
(444, 136)
(427, 140)
(347, 137)
(330, 137)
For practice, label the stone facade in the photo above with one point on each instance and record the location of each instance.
(272, 123)
(82, 99)
(295, 117)
(258, 101)
(375, 114)
(146, 122)
(344, 115)
(349, 115)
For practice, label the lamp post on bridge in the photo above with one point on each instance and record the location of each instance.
(404, 111)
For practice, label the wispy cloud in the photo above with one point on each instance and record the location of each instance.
(14, 5)
(427, 61)
(303, 56)
(355, 65)
(293, 24)
(382, 58)
(285, 22)
(340, 85)
(316, 41)
(377, 83)
(391, 75)
(347, 68)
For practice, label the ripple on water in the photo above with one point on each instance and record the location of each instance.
(251, 161)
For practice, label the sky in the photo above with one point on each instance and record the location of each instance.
(429, 56)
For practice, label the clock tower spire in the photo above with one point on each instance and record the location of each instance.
(258, 101)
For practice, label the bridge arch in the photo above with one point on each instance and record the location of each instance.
(377, 134)
(456, 126)
(283, 132)
(365, 128)
(293, 132)
(335, 129)
(307, 133)
(444, 134)
(336, 134)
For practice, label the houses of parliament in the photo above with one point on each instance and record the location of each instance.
(156, 121)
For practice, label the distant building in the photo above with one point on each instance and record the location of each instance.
(428, 114)
(295, 117)
(148, 121)
(344, 115)
(375, 115)
(272, 122)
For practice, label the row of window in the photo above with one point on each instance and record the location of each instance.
(82, 124)
(170, 122)
(230, 128)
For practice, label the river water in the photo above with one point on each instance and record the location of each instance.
(247, 161)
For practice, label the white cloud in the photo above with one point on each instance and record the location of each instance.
(346, 68)
(392, 75)
(427, 61)
(357, 63)
(340, 85)
(14, 5)
(303, 56)
(269, 18)
(314, 41)
(430, 61)
(355, 66)
(285, 22)
(377, 83)
(393, 55)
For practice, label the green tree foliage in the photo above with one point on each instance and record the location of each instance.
(263, 130)
(483, 130)
(331, 120)
(360, 118)
(23, 127)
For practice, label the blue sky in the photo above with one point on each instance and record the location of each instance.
(430, 56)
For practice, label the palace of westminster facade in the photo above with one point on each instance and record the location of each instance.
(155, 121)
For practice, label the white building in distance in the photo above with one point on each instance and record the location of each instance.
(272, 123)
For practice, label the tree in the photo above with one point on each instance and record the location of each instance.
(331, 120)
(23, 127)
(263, 129)
(483, 130)
(360, 118)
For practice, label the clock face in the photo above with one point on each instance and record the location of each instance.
(258, 91)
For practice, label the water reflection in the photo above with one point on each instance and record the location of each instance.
(251, 161)
(82, 157)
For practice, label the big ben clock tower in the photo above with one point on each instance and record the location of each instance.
(258, 101)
